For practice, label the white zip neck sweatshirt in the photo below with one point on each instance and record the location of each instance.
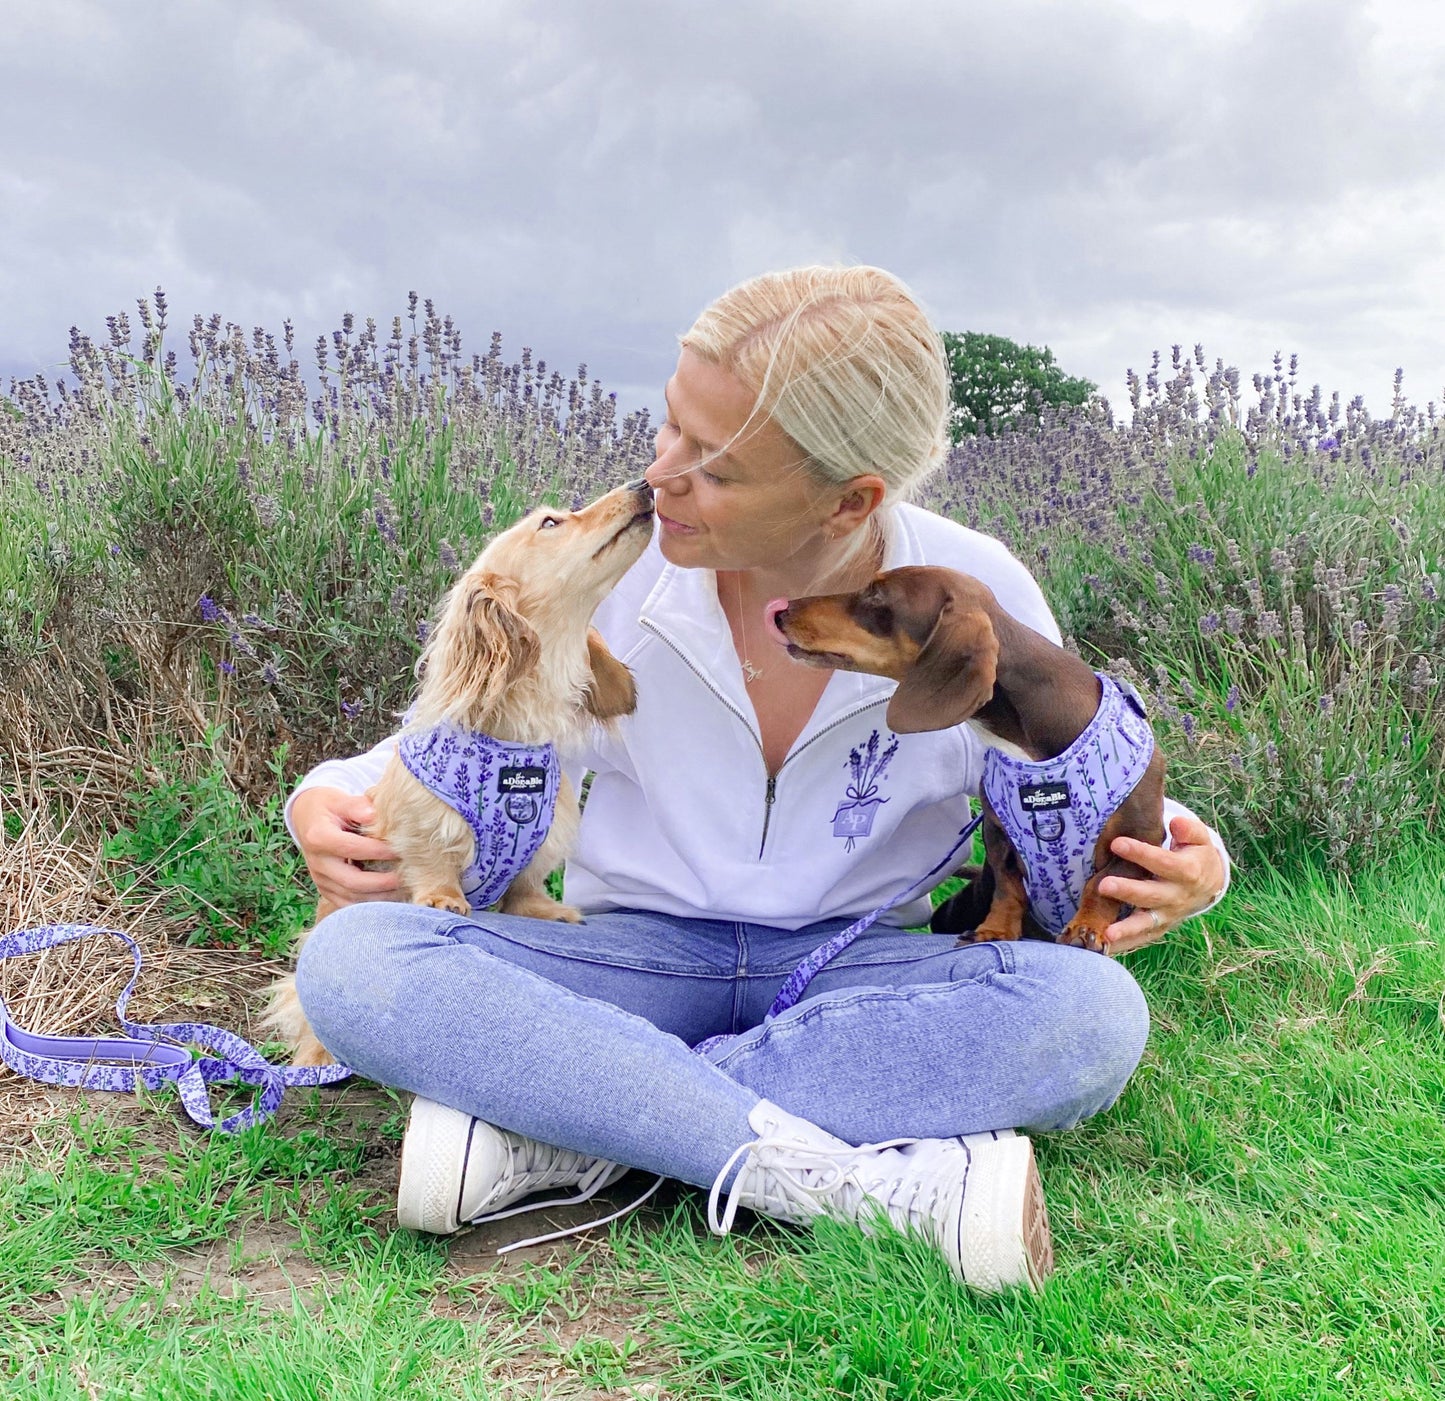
(682, 816)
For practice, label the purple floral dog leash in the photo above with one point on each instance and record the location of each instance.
(824, 954)
(143, 1058)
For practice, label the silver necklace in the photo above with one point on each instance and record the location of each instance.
(750, 672)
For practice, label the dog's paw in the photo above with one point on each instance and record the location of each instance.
(989, 934)
(1081, 935)
(445, 900)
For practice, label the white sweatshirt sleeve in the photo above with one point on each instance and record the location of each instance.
(352, 775)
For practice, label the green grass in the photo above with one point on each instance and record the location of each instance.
(1259, 1216)
(183, 810)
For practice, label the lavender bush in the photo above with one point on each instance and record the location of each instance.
(1269, 570)
(286, 542)
(226, 544)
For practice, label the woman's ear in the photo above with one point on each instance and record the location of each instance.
(858, 499)
(953, 676)
(612, 691)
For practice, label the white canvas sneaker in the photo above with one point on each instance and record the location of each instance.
(977, 1198)
(457, 1171)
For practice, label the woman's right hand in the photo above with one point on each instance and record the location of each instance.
(327, 824)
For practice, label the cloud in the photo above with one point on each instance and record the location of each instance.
(1106, 176)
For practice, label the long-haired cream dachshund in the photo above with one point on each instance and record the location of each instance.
(473, 801)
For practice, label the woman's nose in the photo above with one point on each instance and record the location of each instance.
(665, 475)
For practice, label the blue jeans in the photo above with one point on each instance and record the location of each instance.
(580, 1035)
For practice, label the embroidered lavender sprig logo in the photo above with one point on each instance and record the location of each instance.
(854, 817)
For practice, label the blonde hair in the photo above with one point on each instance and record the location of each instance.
(845, 362)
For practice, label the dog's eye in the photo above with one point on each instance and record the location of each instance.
(877, 618)
(547, 522)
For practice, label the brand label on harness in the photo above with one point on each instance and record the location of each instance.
(522, 780)
(1044, 797)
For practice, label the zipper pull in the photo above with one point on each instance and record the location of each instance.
(768, 795)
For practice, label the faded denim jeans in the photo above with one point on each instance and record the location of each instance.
(580, 1035)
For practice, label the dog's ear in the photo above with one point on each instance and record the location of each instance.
(481, 646)
(953, 675)
(502, 638)
(612, 691)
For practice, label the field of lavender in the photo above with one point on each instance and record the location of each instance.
(226, 546)
(215, 569)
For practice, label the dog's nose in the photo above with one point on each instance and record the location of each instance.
(639, 485)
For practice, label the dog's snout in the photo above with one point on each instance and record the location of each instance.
(644, 504)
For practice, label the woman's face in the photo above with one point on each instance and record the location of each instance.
(733, 490)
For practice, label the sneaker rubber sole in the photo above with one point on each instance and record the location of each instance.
(1004, 1239)
(433, 1165)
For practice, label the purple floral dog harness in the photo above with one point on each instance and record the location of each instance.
(506, 792)
(1055, 810)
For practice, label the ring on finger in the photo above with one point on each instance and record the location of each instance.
(1156, 921)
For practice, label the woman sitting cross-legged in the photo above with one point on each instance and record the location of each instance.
(749, 809)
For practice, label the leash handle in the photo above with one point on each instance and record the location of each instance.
(143, 1058)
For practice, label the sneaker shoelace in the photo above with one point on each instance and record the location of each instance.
(538, 1166)
(534, 1166)
(798, 1174)
(918, 1192)
(585, 1226)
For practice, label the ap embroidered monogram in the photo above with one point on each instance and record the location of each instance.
(854, 817)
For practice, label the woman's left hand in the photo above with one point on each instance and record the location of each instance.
(1187, 877)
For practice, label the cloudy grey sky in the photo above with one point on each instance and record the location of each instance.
(1103, 176)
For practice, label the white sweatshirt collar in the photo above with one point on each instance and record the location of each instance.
(683, 611)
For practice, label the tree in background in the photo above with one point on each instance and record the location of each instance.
(999, 384)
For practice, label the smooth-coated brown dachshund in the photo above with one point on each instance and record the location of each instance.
(959, 658)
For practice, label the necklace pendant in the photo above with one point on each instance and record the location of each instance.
(750, 672)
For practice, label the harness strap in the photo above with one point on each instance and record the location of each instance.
(143, 1058)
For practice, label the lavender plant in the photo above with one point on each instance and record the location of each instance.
(290, 539)
(233, 540)
(1270, 571)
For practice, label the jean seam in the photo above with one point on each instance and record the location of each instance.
(742, 972)
(843, 1000)
(640, 966)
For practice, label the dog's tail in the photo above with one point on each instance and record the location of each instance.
(285, 1021)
